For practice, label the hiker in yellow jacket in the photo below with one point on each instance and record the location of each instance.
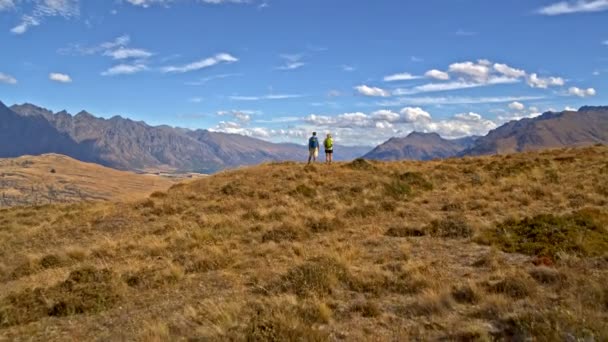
(328, 143)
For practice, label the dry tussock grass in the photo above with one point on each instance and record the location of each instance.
(502, 247)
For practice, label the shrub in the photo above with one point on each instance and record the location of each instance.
(318, 276)
(229, 189)
(404, 231)
(367, 308)
(452, 227)
(285, 232)
(305, 190)
(516, 286)
(86, 290)
(465, 294)
(580, 233)
(416, 180)
(280, 324)
(325, 224)
(360, 164)
(546, 275)
(397, 189)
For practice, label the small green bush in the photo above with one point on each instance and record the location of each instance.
(581, 233)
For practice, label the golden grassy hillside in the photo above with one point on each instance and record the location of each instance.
(54, 178)
(502, 247)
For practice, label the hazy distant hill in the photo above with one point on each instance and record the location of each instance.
(588, 126)
(53, 178)
(419, 146)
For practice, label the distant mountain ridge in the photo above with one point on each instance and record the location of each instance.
(587, 126)
(126, 144)
(419, 146)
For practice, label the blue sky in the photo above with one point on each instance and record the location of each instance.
(278, 69)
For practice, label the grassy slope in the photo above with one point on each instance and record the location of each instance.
(358, 251)
(28, 180)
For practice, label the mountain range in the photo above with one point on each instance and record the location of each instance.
(587, 126)
(125, 144)
(133, 145)
(420, 146)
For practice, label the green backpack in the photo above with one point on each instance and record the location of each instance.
(329, 143)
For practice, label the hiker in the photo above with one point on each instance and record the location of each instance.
(313, 148)
(329, 149)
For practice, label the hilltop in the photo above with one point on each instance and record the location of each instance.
(504, 247)
(53, 178)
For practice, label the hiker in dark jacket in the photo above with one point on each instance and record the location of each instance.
(313, 148)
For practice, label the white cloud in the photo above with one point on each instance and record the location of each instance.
(106, 48)
(400, 77)
(201, 64)
(575, 6)
(195, 99)
(477, 71)
(265, 97)
(291, 62)
(581, 92)
(465, 33)
(508, 71)
(348, 68)
(42, 9)
(517, 106)
(570, 109)
(605, 42)
(61, 78)
(241, 116)
(415, 114)
(6, 5)
(124, 53)
(383, 124)
(206, 80)
(537, 82)
(8, 79)
(125, 69)
(372, 91)
(148, 3)
(455, 85)
(437, 74)
(291, 66)
(444, 100)
(26, 22)
(385, 115)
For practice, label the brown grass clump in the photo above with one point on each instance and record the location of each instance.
(546, 275)
(367, 308)
(286, 232)
(86, 290)
(467, 294)
(318, 276)
(279, 326)
(516, 286)
(452, 227)
(405, 231)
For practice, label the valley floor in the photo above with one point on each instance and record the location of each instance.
(503, 247)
